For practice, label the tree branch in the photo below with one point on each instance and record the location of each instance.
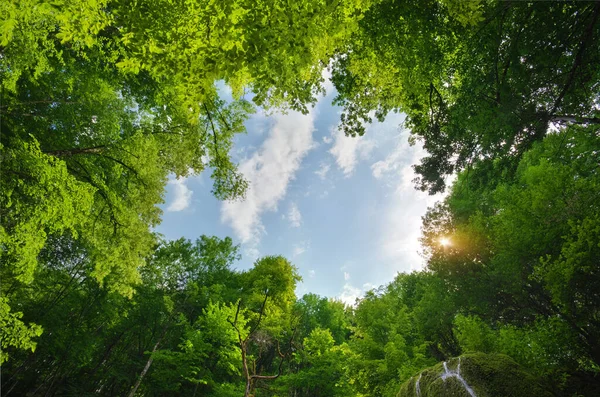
(587, 36)
(74, 151)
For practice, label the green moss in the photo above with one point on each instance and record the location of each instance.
(489, 375)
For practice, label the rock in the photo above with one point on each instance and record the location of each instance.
(474, 375)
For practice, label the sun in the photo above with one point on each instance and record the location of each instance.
(445, 242)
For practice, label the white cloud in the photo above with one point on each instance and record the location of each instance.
(182, 195)
(327, 139)
(300, 248)
(323, 170)
(346, 276)
(401, 227)
(269, 171)
(311, 273)
(348, 151)
(328, 84)
(251, 252)
(350, 294)
(394, 160)
(294, 216)
(368, 286)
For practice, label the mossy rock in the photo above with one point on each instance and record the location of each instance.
(487, 375)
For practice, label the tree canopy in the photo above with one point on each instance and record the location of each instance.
(103, 101)
(478, 82)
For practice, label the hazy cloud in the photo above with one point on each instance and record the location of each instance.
(294, 216)
(323, 170)
(348, 151)
(182, 195)
(269, 171)
(401, 227)
(300, 248)
(350, 294)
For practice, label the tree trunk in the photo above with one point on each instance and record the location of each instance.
(146, 368)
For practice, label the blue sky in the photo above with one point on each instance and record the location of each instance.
(343, 210)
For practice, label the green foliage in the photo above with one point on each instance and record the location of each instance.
(472, 334)
(102, 101)
(14, 332)
(520, 252)
(478, 80)
(39, 198)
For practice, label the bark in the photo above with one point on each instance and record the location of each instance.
(570, 119)
(74, 151)
(146, 368)
(586, 38)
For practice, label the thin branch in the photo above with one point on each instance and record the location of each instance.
(74, 151)
(572, 119)
(36, 102)
(262, 309)
(214, 134)
(587, 36)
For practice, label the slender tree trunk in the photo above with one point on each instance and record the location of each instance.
(246, 372)
(146, 368)
(151, 358)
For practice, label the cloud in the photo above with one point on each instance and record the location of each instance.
(346, 276)
(323, 170)
(393, 161)
(182, 195)
(300, 248)
(350, 294)
(269, 171)
(327, 139)
(311, 273)
(348, 151)
(401, 227)
(328, 84)
(294, 216)
(368, 286)
(251, 252)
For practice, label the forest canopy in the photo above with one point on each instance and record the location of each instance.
(101, 102)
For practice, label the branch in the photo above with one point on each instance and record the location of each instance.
(96, 151)
(262, 309)
(214, 134)
(36, 102)
(74, 151)
(282, 359)
(571, 119)
(588, 35)
(234, 323)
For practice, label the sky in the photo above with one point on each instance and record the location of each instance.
(343, 210)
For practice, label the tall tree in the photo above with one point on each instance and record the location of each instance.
(478, 82)
(523, 252)
(102, 101)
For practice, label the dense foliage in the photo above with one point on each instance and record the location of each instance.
(102, 101)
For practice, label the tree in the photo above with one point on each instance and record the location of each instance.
(98, 341)
(268, 290)
(101, 102)
(477, 83)
(320, 368)
(522, 249)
